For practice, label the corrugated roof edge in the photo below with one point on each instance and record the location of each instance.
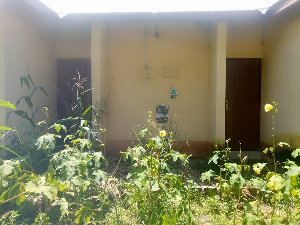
(281, 6)
(166, 16)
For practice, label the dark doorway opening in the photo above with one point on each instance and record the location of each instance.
(242, 105)
(70, 72)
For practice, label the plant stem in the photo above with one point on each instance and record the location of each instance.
(116, 210)
(150, 188)
(273, 141)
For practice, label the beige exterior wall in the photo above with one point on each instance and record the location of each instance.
(2, 63)
(181, 45)
(30, 43)
(29, 40)
(281, 76)
(244, 39)
(73, 40)
(99, 60)
(218, 39)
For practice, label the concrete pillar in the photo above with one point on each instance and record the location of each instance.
(218, 39)
(2, 63)
(98, 60)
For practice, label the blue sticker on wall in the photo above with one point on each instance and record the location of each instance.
(173, 93)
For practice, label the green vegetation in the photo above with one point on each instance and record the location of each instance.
(59, 176)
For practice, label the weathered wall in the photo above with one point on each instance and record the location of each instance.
(280, 78)
(29, 39)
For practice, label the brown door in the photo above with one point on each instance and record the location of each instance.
(242, 105)
(67, 78)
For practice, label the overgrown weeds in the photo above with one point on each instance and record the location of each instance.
(75, 188)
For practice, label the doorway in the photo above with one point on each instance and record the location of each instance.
(68, 71)
(242, 104)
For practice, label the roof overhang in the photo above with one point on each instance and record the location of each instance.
(41, 7)
(281, 6)
(165, 16)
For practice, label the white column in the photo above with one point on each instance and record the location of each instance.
(2, 63)
(218, 39)
(98, 60)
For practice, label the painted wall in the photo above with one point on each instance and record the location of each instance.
(244, 39)
(29, 39)
(2, 63)
(180, 45)
(73, 40)
(183, 45)
(280, 78)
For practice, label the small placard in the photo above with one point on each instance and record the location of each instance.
(162, 114)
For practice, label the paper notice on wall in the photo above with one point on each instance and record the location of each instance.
(162, 114)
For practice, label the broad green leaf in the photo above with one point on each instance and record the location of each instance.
(139, 151)
(20, 199)
(24, 79)
(275, 182)
(214, 159)
(27, 99)
(7, 104)
(296, 153)
(64, 207)
(266, 150)
(281, 144)
(258, 182)
(100, 175)
(46, 141)
(29, 78)
(231, 167)
(41, 187)
(142, 133)
(38, 88)
(250, 219)
(7, 168)
(78, 214)
(207, 175)
(237, 180)
(97, 157)
(22, 114)
(269, 175)
(82, 143)
(70, 136)
(58, 127)
(155, 187)
(258, 167)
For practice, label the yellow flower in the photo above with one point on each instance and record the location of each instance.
(295, 192)
(257, 170)
(275, 182)
(162, 133)
(268, 107)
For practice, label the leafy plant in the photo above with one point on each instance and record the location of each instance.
(78, 120)
(160, 195)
